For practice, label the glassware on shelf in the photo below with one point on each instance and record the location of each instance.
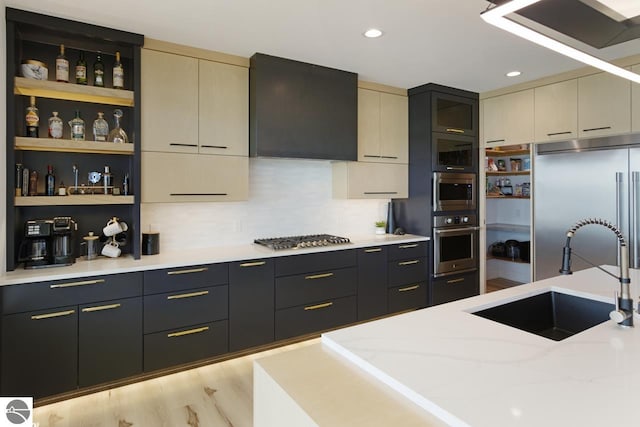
(62, 66)
(118, 73)
(100, 128)
(117, 134)
(81, 70)
(56, 126)
(32, 118)
(98, 71)
(77, 127)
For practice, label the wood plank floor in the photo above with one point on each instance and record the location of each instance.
(215, 395)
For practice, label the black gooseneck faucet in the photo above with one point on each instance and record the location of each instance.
(623, 314)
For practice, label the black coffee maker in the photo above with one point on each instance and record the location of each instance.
(48, 242)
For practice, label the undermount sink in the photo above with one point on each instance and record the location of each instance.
(553, 315)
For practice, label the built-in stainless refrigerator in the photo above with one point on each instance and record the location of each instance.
(597, 178)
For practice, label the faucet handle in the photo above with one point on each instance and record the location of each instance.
(618, 315)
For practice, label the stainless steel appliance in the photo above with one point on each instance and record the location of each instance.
(48, 242)
(298, 242)
(454, 191)
(596, 178)
(454, 244)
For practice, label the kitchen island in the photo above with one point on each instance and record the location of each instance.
(464, 370)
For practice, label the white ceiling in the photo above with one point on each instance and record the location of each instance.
(439, 41)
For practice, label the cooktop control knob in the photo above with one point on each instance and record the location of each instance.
(448, 221)
(465, 219)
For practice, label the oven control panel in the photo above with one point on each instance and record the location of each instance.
(455, 220)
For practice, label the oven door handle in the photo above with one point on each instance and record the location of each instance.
(452, 230)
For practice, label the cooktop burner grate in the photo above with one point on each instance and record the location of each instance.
(298, 242)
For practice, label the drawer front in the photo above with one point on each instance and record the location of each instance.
(175, 279)
(301, 264)
(451, 288)
(408, 271)
(175, 347)
(408, 250)
(306, 319)
(184, 308)
(408, 297)
(314, 287)
(38, 296)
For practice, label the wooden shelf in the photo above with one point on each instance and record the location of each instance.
(499, 173)
(73, 92)
(499, 258)
(70, 146)
(506, 153)
(509, 197)
(515, 228)
(84, 199)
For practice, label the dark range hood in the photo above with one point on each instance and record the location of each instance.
(586, 20)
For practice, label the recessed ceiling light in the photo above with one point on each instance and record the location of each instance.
(513, 73)
(372, 33)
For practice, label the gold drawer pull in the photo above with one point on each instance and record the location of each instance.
(193, 270)
(253, 264)
(318, 276)
(373, 250)
(412, 245)
(455, 130)
(189, 295)
(50, 315)
(71, 284)
(100, 308)
(318, 306)
(188, 332)
(415, 261)
(456, 280)
(409, 288)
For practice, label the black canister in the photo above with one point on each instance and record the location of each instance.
(150, 243)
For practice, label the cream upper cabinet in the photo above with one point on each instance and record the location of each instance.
(363, 180)
(556, 111)
(383, 127)
(169, 92)
(604, 105)
(508, 119)
(635, 102)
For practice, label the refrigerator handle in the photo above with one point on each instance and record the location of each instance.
(633, 235)
(619, 210)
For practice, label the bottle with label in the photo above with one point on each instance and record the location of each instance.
(98, 71)
(33, 183)
(100, 128)
(50, 182)
(77, 127)
(55, 126)
(117, 134)
(32, 118)
(62, 66)
(81, 70)
(118, 73)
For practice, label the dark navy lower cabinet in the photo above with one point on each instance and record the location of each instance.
(372, 282)
(316, 317)
(450, 288)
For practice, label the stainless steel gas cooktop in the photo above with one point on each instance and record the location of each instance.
(298, 242)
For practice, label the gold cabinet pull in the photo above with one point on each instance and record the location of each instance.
(82, 283)
(193, 270)
(455, 130)
(253, 264)
(100, 308)
(373, 250)
(456, 280)
(318, 306)
(50, 315)
(188, 332)
(189, 295)
(318, 276)
(409, 288)
(415, 261)
(411, 245)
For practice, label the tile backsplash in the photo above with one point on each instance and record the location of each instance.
(286, 197)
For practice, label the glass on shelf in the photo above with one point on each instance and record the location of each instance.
(100, 128)
(77, 127)
(56, 127)
(117, 134)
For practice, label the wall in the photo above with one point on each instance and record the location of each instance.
(286, 197)
(3, 132)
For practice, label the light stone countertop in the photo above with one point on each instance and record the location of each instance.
(126, 264)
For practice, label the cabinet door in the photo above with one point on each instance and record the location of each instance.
(368, 125)
(604, 103)
(454, 114)
(110, 341)
(408, 297)
(307, 319)
(251, 303)
(360, 180)
(169, 102)
(635, 102)
(168, 177)
(556, 111)
(223, 124)
(372, 282)
(508, 119)
(40, 352)
(452, 288)
(394, 128)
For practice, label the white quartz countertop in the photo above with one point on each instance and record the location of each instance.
(103, 265)
(470, 371)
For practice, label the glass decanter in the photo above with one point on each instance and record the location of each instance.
(100, 128)
(117, 134)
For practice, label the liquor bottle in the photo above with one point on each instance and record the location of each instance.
(98, 71)
(118, 73)
(62, 66)
(77, 127)
(33, 183)
(50, 182)
(81, 70)
(117, 134)
(100, 128)
(55, 126)
(32, 118)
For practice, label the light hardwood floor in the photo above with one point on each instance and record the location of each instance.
(215, 395)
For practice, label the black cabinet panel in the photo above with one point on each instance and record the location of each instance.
(295, 321)
(170, 348)
(110, 341)
(408, 271)
(372, 282)
(455, 114)
(408, 297)
(451, 288)
(313, 287)
(301, 264)
(35, 296)
(408, 250)
(189, 307)
(251, 303)
(180, 278)
(40, 352)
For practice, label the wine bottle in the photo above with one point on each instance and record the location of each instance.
(81, 70)
(55, 126)
(32, 119)
(98, 71)
(62, 66)
(118, 73)
(50, 182)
